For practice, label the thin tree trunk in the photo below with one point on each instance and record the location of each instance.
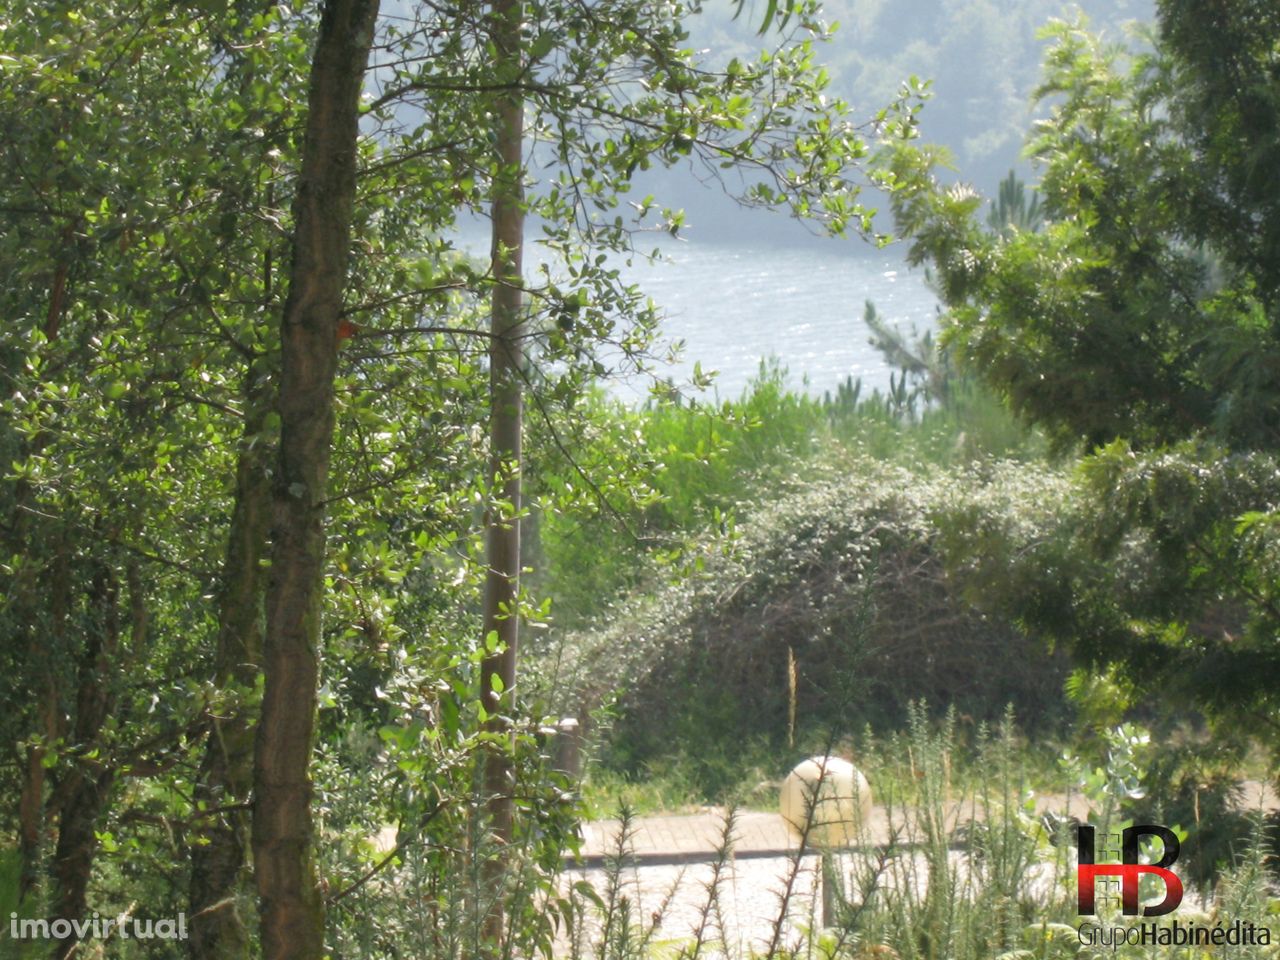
(31, 809)
(506, 356)
(31, 802)
(31, 819)
(225, 780)
(226, 772)
(290, 900)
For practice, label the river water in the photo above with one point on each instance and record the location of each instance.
(734, 306)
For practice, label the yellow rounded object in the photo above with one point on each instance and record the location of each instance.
(834, 793)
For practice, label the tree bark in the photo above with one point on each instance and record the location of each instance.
(506, 421)
(226, 772)
(31, 809)
(82, 796)
(291, 904)
(29, 596)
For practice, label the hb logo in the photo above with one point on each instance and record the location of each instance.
(1128, 870)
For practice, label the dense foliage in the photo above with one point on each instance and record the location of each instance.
(245, 379)
(246, 477)
(981, 58)
(1139, 322)
(830, 609)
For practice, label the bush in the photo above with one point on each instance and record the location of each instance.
(690, 466)
(833, 602)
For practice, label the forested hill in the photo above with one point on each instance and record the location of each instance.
(982, 56)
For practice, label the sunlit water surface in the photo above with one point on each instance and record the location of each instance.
(734, 306)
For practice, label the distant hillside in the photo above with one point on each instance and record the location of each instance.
(982, 56)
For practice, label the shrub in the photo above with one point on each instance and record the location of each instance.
(842, 582)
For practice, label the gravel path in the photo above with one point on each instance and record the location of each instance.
(674, 897)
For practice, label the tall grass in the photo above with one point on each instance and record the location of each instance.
(708, 462)
(968, 871)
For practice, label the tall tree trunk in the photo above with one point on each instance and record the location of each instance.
(290, 900)
(83, 804)
(29, 597)
(81, 797)
(31, 803)
(506, 356)
(226, 772)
